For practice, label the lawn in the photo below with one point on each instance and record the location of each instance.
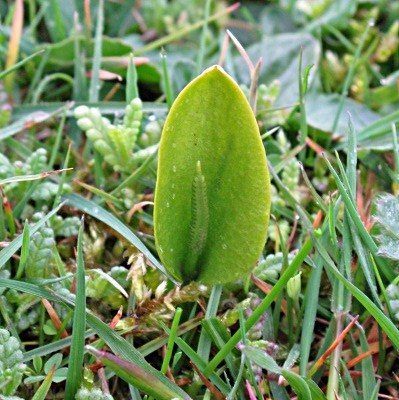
(199, 199)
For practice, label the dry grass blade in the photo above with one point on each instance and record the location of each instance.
(13, 45)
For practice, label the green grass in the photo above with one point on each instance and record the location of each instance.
(326, 100)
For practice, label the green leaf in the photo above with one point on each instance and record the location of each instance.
(322, 108)
(212, 200)
(262, 359)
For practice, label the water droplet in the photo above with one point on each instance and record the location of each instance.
(171, 250)
(96, 210)
(173, 144)
(173, 196)
(173, 185)
(160, 249)
(174, 168)
(224, 246)
(167, 204)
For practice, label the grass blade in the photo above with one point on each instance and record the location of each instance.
(263, 306)
(18, 65)
(13, 247)
(171, 340)
(137, 376)
(75, 365)
(41, 393)
(132, 90)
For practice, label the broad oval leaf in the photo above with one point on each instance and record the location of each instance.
(212, 200)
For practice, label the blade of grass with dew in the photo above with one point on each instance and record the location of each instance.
(91, 208)
(24, 250)
(13, 247)
(13, 44)
(171, 340)
(76, 355)
(365, 236)
(168, 88)
(132, 91)
(350, 74)
(263, 306)
(41, 393)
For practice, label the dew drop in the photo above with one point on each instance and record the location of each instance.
(160, 249)
(167, 204)
(224, 246)
(174, 168)
(171, 250)
(173, 196)
(174, 145)
(173, 185)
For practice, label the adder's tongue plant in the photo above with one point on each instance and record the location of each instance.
(212, 200)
